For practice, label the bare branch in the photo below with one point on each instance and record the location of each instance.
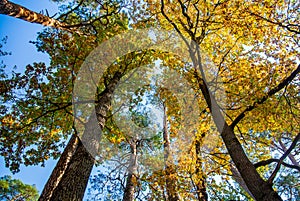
(273, 160)
(291, 157)
(294, 143)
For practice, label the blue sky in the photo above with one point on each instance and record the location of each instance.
(19, 34)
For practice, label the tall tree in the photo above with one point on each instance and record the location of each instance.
(202, 26)
(254, 46)
(132, 171)
(169, 163)
(74, 147)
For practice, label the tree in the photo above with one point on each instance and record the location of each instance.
(42, 88)
(200, 27)
(15, 190)
(254, 46)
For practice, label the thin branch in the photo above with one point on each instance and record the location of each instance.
(291, 157)
(288, 26)
(294, 143)
(70, 11)
(162, 9)
(264, 98)
(273, 160)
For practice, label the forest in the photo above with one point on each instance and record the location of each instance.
(156, 100)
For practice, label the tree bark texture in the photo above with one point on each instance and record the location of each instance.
(73, 183)
(59, 169)
(74, 179)
(17, 11)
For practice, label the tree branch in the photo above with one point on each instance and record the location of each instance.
(272, 160)
(260, 101)
(291, 157)
(18, 11)
(294, 143)
(288, 26)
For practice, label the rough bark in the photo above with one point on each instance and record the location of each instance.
(59, 169)
(73, 183)
(169, 166)
(200, 182)
(259, 188)
(17, 11)
(132, 169)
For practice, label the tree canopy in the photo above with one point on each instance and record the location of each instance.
(229, 109)
(14, 189)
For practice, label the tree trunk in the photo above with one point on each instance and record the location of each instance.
(172, 194)
(260, 189)
(73, 182)
(17, 11)
(237, 177)
(132, 169)
(59, 169)
(200, 181)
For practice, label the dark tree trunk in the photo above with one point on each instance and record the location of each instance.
(260, 189)
(73, 182)
(59, 169)
(237, 177)
(169, 166)
(200, 181)
(132, 169)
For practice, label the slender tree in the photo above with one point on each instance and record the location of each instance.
(172, 194)
(131, 180)
(198, 27)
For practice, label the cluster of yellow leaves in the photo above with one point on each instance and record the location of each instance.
(252, 53)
